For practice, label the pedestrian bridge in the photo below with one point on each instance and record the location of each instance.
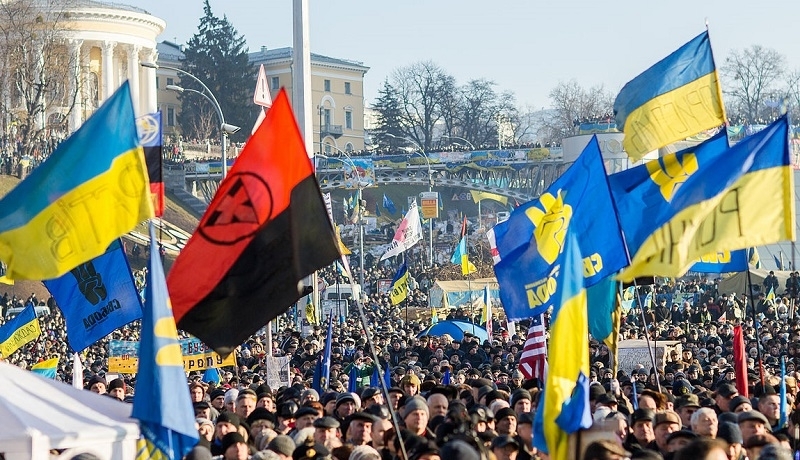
(521, 174)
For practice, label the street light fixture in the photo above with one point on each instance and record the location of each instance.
(225, 128)
(460, 139)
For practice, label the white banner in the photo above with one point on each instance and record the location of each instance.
(408, 233)
(278, 374)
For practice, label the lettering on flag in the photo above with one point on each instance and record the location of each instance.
(408, 233)
(123, 356)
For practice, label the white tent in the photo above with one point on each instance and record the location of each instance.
(41, 414)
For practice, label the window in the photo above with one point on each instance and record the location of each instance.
(327, 117)
(328, 149)
(347, 88)
(276, 83)
(157, 87)
(348, 147)
(348, 119)
(170, 81)
(327, 86)
(170, 116)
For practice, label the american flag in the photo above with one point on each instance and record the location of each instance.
(533, 363)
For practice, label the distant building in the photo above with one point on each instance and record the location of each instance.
(169, 54)
(337, 96)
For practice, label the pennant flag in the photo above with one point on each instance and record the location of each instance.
(46, 368)
(18, 331)
(527, 248)
(163, 406)
(212, 375)
(90, 191)
(533, 362)
(326, 197)
(316, 379)
(408, 233)
(651, 187)
(480, 196)
(676, 98)
(753, 258)
(343, 250)
(377, 210)
(778, 261)
(387, 376)
(722, 262)
(326, 357)
(388, 205)
(399, 289)
(267, 229)
(563, 412)
(375, 379)
(340, 270)
(77, 371)
(486, 313)
(434, 316)
(740, 361)
(97, 297)
(150, 137)
(605, 314)
(355, 215)
(721, 208)
(446, 377)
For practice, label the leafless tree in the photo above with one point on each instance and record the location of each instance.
(752, 78)
(571, 104)
(40, 88)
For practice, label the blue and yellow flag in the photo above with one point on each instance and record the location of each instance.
(90, 191)
(565, 408)
(163, 406)
(605, 314)
(527, 248)
(676, 98)
(18, 331)
(399, 289)
(46, 368)
(97, 297)
(721, 208)
(461, 257)
(721, 262)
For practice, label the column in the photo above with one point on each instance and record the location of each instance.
(108, 69)
(133, 77)
(150, 89)
(76, 111)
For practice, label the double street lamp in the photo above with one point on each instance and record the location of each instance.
(225, 129)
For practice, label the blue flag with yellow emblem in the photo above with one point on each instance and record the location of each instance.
(163, 404)
(527, 248)
(744, 198)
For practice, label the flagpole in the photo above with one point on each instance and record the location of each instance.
(755, 326)
(650, 349)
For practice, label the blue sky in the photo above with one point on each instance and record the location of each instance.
(524, 46)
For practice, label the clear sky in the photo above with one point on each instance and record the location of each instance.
(525, 46)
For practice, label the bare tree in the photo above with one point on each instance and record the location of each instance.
(752, 78)
(40, 88)
(572, 104)
(421, 88)
(204, 121)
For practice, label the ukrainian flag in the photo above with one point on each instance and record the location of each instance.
(605, 314)
(460, 256)
(676, 98)
(565, 403)
(18, 331)
(722, 207)
(399, 289)
(46, 368)
(93, 189)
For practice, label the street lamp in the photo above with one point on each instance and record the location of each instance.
(460, 139)
(430, 185)
(359, 185)
(225, 128)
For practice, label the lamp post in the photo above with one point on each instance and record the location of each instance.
(430, 186)
(460, 139)
(224, 128)
(360, 214)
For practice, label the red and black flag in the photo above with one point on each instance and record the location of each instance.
(149, 128)
(265, 230)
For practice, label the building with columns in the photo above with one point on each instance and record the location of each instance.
(109, 41)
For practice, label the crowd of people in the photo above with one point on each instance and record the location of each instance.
(464, 398)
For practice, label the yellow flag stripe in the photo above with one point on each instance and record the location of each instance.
(28, 332)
